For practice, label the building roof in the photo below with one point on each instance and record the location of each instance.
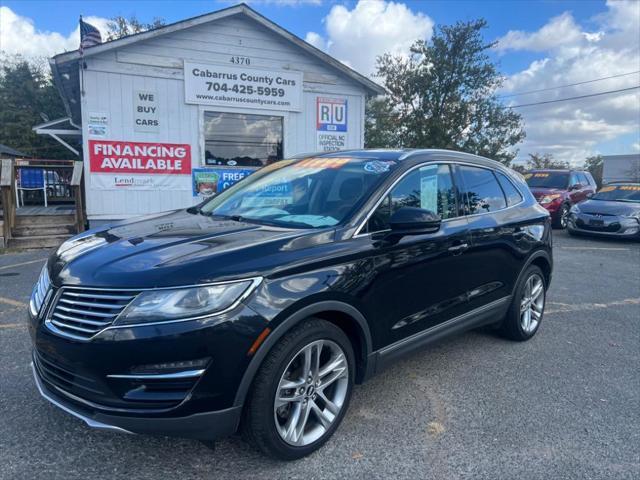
(11, 152)
(65, 65)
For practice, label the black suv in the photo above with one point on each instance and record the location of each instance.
(260, 308)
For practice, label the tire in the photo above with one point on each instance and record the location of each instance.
(515, 325)
(560, 222)
(265, 426)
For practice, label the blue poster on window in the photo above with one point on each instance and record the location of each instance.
(209, 181)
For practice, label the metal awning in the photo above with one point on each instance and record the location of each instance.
(61, 127)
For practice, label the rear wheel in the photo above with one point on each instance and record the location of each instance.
(527, 307)
(301, 391)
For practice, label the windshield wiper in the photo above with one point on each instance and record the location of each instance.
(233, 218)
(261, 221)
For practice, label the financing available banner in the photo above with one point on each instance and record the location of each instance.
(115, 165)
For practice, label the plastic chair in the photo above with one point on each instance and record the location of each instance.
(30, 179)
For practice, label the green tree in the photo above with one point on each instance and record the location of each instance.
(538, 160)
(519, 168)
(444, 96)
(120, 26)
(594, 165)
(28, 97)
(378, 124)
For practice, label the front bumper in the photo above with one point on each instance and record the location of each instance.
(603, 226)
(135, 379)
(202, 426)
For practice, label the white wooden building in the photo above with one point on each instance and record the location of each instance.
(173, 114)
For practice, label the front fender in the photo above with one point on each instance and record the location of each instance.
(293, 319)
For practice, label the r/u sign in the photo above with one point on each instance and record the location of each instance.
(331, 114)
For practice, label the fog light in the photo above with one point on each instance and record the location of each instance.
(169, 367)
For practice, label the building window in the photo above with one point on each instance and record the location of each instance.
(237, 139)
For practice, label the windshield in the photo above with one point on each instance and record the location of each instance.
(619, 193)
(558, 180)
(310, 193)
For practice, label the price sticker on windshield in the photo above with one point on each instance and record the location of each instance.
(321, 163)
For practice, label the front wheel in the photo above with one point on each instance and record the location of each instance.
(563, 215)
(527, 307)
(301, 391)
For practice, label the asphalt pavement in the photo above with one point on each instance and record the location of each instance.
(565, 405)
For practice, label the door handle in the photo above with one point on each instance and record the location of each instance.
(458, 248)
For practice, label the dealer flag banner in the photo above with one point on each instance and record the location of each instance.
(118, 165)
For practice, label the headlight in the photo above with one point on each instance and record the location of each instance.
(575, 209)
(636, 215)
(39, 292)
(550, 198)
(182, 303)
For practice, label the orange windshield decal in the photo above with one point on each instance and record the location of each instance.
(322, 163)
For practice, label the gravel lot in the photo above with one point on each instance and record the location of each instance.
(564, 405)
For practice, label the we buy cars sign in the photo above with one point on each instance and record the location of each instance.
(139, 165)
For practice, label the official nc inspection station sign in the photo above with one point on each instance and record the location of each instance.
(331, 124)
(231, 86)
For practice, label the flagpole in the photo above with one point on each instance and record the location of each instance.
(81, 60)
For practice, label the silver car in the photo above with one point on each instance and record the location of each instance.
(612, 212)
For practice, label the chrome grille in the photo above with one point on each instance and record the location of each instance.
(81, 313)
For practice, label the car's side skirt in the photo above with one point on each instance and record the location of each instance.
(483, 315)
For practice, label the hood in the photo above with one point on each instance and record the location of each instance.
(177, 248)
(607, 207)
(539, 192)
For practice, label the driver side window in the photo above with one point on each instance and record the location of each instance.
(429, 187)
(574, 180)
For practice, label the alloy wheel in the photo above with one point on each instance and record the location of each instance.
(532, 303)
(311, 392)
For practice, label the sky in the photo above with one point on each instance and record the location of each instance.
(541, 45)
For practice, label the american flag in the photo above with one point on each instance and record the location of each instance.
(89, 35)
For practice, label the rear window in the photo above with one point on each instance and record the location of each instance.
(558, 180)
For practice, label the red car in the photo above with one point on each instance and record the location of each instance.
(558, 190)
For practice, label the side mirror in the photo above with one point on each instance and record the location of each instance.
(575, 186)
(414, 221)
